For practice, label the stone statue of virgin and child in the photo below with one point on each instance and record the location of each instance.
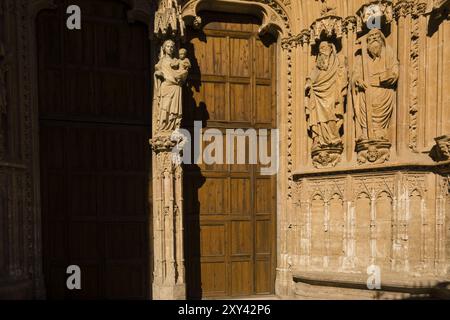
(170, 76)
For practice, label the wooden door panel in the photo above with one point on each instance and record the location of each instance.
(240, 57)
(264, 104)
(214, 279)
(94, 99)
(230, 206)
(241, 278)
(213, 240)
(240, 101)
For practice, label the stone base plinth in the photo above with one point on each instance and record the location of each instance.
(342, 286)
(175, 292)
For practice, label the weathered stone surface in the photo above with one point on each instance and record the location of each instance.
(380, 200)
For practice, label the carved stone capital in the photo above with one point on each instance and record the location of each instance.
(402, 9)
(162, 143)
(419, 9)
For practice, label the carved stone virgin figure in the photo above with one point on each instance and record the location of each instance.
(374, 83)
(326, 88)
(170, 75)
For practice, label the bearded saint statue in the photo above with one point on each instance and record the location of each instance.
(374, 82)
(326, 88)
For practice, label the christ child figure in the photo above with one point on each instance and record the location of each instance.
(183, 66)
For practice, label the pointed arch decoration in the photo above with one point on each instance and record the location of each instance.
(273, 14)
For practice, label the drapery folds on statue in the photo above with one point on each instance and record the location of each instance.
(326, 89)
(170, 76)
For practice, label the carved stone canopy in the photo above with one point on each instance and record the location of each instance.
(436, 5)
(327, 27)
(438, 8)
(382, 9)
(168, 20)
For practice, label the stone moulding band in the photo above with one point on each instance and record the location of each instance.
(422, 167)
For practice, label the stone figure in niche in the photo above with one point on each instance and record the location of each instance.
(374, 97)
(326, 89)
(170, 76)
(3, 98)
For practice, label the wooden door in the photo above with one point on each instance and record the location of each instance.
(94, 99)
(230, 209)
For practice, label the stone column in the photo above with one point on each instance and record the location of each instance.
(170, 75)
(168, 274)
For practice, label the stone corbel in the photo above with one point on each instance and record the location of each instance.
(441, 151)
(380, 8)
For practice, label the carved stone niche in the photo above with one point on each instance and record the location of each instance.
(374, 85)
(442, 148)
